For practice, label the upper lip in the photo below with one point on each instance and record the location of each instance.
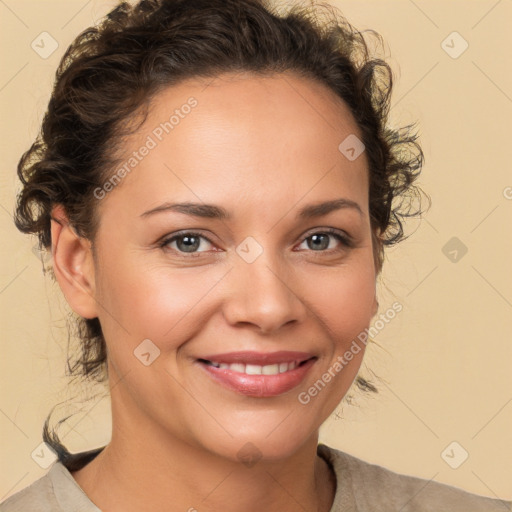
(259, 358)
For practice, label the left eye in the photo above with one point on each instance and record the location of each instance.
(320, 240)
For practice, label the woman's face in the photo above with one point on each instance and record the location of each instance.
(261, 279)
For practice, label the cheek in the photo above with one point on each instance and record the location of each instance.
(152, 302)
(344, 299)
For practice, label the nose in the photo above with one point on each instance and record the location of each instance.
(263, 294)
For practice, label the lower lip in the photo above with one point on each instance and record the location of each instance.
(260, 386)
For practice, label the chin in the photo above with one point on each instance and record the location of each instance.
(270, 444)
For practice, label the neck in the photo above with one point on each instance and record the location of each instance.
(157, 472)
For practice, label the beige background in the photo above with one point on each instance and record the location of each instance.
(444, 361)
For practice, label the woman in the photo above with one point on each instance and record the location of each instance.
(217, 183)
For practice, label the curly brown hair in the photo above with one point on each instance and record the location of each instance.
(109, 74)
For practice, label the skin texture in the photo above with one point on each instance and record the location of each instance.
(262, 148)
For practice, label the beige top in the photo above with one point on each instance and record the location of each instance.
(360, 487)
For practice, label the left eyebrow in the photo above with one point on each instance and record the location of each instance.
(212, 211)
(319, 209)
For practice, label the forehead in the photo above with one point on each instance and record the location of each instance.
(245, 104)
(249, 135)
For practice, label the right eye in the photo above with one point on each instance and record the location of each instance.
(186, 242)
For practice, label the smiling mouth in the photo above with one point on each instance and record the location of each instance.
(270, 379)
(258, 374)
(256, 369)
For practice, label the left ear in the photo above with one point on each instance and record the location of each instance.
(73, 265)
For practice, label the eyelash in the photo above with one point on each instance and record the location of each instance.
(345, 240)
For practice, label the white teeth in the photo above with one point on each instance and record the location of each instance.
(253, 369)
(256, 369)
(270, 369)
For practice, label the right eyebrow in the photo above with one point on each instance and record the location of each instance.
(209, 211)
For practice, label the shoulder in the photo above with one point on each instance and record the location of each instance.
(56, 491)
(377, 489)
(37, 497)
